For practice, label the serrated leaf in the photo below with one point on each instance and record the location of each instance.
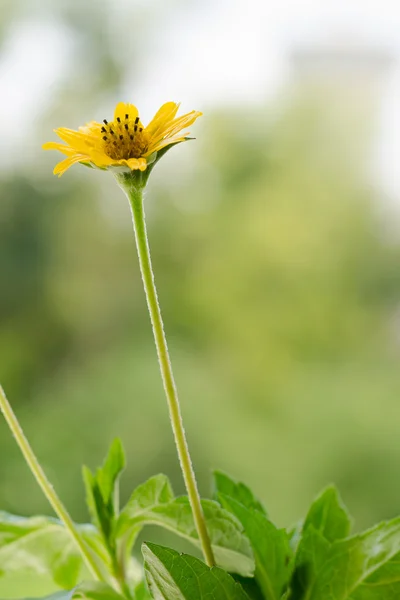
(152, 493)
(327, 520)
(232, 550)
(153, 503)
(363, 567)
(224, 484)
(174, 576)
(329, 516)
(271, 548)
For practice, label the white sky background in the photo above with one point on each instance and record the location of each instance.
(212, 53)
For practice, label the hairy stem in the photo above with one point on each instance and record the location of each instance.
(135, 196)
(46, 486)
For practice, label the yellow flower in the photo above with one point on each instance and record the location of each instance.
(123, 142)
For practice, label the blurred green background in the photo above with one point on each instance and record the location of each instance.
(277, 266)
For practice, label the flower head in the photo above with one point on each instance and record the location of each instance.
(123, 142)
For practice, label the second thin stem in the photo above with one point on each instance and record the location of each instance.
(135, 196)
(46, 486)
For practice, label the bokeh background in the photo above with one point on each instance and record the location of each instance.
(275, 242)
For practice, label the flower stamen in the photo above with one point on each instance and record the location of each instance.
(130, 141)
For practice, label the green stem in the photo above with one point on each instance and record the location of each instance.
(46, 486)
(135, 196)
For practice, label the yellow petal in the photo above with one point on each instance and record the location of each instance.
(163, 116)
(166, 142)
(100, 159)
(93, 127)
(82, 142)
(177, 125)
(61, 147)
(65, 164)
(123, 109)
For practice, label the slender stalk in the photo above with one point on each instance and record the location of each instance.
(46, 486)
(135, 195)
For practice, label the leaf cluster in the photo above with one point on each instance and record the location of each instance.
(318, 559)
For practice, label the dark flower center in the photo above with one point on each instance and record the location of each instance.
(124, 138)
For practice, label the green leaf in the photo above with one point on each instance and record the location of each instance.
(153, 503)
(223, 484)
(270, 545)
(108, 474)
(38, 545)
(174, 576)
(363, 567)
(231, 547)
(42, 546)
(329, 516)
(152, 493)
(102, 491)
(312, 554)
(327, 520)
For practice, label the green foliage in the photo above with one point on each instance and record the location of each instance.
(223, 484)
(271, 545)
(39, 545)
(102, 493)
(362, 567)
(155, 492)
(154, 503)
(331, 565)
(174, 576)
(328, 516)
(316, 560)
(327, 521)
